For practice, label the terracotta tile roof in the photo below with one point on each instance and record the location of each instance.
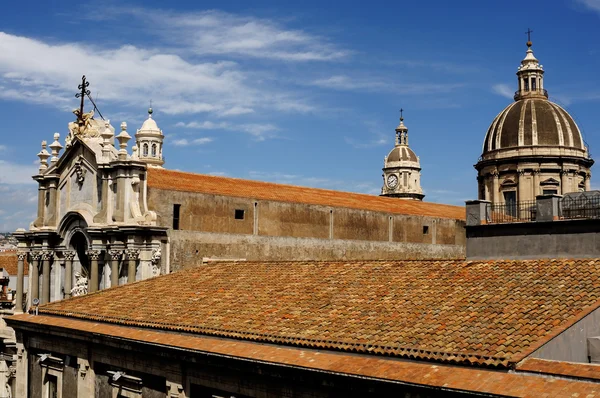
(190, 182)
(451, 378)
(490, 313)
(558, 368)
(9, 261)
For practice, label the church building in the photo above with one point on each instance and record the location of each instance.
(533, 147)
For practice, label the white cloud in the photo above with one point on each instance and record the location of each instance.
(259, 131)
(350, 83)
(591, 4)
(221, 33)
(197, 141)
(3, 148)
(12, 173)
(131, 75)
(504, 90)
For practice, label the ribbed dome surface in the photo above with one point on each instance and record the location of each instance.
(402, 153)
(530, 122)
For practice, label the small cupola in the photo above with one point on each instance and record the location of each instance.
(530, 75)
(149, 140)
(401, 168)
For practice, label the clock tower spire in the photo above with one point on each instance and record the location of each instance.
(402, 169)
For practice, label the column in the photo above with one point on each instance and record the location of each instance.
(115, 256)
(94, 256)
(536, 183)
(132, 255)
(46, 257)
(496, 187)
(69, 256)
(588, 177)
(564, 178)
(22, 367)
(521, 185)
(20, 278)
(35, 276)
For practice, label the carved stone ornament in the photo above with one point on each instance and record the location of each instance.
(80, 171)
(115, 254)
(156, 254)
(47, 255)
(69, 255)
(21, 255)
(93, 254)
(81, 285)
(132, 254)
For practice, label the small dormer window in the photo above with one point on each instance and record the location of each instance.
(145, 150)
(153, 150)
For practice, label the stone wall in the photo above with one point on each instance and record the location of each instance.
(531, 240)
(189, 247)
(270, 230)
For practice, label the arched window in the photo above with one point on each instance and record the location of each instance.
(153, 150)
(145, 151)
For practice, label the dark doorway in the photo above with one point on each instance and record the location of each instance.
(79, 244)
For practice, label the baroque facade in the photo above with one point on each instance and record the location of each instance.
(533, 147)
(402, 169)
(93, 228)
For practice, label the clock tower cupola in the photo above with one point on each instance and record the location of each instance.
(402, 169)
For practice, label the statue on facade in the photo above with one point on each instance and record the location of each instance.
(156, 254)
(81, 285)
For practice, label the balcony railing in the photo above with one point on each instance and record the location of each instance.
(523, 93)
(500, 213)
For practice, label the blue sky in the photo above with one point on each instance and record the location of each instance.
(305, 93)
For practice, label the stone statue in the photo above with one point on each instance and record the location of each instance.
(156, 254)
(82, 127)
(81, 285)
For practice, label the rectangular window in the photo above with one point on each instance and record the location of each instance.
(425, 229)
(239, 214)
(550, 192)
(176, 210)
(510, 202)
(533, 83)
(526, 84)
(52, 386)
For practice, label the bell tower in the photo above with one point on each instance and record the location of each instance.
(402, 169)
(149, 140)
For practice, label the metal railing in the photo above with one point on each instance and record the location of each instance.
(580, 206)
(523, 93)
(501, 213)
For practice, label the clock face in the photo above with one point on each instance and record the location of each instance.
(392, 181)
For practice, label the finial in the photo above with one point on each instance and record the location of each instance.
(529, 32)
(401, 117)
(56, 147)
(150, 110)
(43, 155)
(123, 137)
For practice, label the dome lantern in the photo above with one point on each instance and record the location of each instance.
(530, 75)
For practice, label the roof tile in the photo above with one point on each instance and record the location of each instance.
(392, 307)
(191, 182)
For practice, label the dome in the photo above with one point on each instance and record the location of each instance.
(149, 125)
(533, 122)
(402, 153)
